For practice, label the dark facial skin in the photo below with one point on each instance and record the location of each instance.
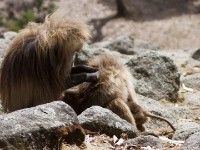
(80, 74)
(83, 68)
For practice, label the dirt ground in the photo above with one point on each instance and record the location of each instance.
(171, 24)
(177, 28)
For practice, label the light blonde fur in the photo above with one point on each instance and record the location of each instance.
(113, 90)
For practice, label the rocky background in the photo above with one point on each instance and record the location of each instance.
(167, 70)
(166, 86)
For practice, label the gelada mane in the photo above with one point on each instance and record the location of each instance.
(38, 61)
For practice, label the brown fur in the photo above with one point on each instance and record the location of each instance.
(113, 90)
(38, 61)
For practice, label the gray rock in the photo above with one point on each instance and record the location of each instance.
(126, 45)
(100, 119)
(144, 141)
(169, 111)
(1, 108)
(4, 44)
(183, 60)
(148, 10)
(91, 52)
(10, 35)
(192, 81)
(3, 47)
(144, 45)
(37, 127)
(196, 55)
(185, 129)
(157, 76)
(192, 98)
(192, 143)
(1, 34)
(83, 56)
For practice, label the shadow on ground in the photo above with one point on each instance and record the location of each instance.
(147, 10)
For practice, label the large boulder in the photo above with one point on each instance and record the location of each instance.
(102, 120)
(4, 43)
(196, 55)
(192, 98)
(3, 46)
(192, 143)
(157, 76)
(155, 9)
(1, 108)
(10, 35)
(122, 47)
(171, 112)
(89, 52)
(126, 45)
(192, 81)
(144, 141)
(185, 129)
(38, 127)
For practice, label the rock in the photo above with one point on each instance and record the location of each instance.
(141, 10)
(1, 34)
(192, 81)
(144, 45)
(192, 98)
(125, 45)
(100, 119)
(83, 56)
(144, 141)
(10, 35)
(192, 143)
(89, 52)
(185, 129)
(3, 46)
(1, 108)
(196, 55)
(183, 60)
(41, 126)
(170, 111)
(4, 43)
(157, 76)
(122, 47)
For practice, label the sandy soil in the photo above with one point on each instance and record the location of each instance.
(173, 32)
(176, 27)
